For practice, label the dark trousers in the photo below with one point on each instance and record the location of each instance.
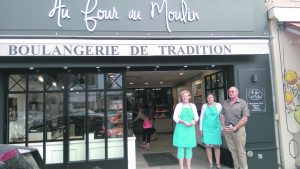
(147, 134)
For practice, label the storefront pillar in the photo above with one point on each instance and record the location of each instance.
(2, 108)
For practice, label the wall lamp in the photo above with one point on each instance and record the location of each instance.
(254, 78)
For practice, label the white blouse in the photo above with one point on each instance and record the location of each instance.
(178, 109)
(219, 108)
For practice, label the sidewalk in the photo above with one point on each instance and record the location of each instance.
(164, 144)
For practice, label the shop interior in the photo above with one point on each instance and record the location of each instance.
(160, 90)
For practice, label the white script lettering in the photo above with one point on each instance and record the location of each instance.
(100, 15)
(62, 12)
(184, 16)
(134, 15)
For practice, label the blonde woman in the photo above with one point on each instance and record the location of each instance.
(184, 138)
(211, 129)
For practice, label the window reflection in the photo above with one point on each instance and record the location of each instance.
(16, 113)
(36, 82)
(114, 80)
(54, 116)
(93, 104)
(35, 117)
(77, 113)
(17, 83)
(114, 114)
(96, 114)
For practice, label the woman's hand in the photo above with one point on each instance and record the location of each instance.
(186, 123)
(193, 123)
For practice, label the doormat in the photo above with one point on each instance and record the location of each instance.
(160, 159)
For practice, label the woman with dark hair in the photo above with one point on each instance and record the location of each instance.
(145, 114)
(211, 129)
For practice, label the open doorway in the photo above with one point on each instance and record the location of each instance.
(160, 88)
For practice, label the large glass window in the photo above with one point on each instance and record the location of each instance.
(84, 109)
(35, 117)
(16, 113)
(215, 84)
(96, 125)
(115, 124)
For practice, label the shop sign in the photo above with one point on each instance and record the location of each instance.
(128, 18)
(50, 47)
(256, 99)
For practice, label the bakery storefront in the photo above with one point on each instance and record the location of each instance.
(63, 66)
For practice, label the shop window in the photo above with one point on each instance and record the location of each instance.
(96, 126)
(215, 84)
(114, 114)
(35, 118)
(114, 81)
(38, 106)
(77, 82)
(36, 82)
(77, 115)
(95, 81)
(16, 114)
(114, 117)
(54, 116)
(220, 79)
(54, 82)
(16, 83)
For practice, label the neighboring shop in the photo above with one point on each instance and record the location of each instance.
(63, 67)
(285, 30)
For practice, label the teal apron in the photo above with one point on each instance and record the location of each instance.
(185, 136)
(211, 127)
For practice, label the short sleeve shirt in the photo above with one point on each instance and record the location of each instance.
(233, 113)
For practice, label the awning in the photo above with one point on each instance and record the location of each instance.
(285, 14)
(293, 27)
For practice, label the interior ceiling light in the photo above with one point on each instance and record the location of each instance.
(157, 66)
(54, 84)
(31, 68)
(185, 66)
(128, 67)
(65, 67)
(161, 82)
(40, 78)
(181, 73)
(97, 67)
(131, 83)
(146, 83)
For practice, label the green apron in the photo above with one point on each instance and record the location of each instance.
(211, 127)
(185, 136)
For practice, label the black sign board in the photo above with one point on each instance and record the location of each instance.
(256, 99)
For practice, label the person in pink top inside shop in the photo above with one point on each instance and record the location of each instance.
(145, 114)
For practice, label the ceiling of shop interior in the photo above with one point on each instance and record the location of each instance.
(154, 78)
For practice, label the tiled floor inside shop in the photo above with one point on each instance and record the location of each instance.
(164, 144)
